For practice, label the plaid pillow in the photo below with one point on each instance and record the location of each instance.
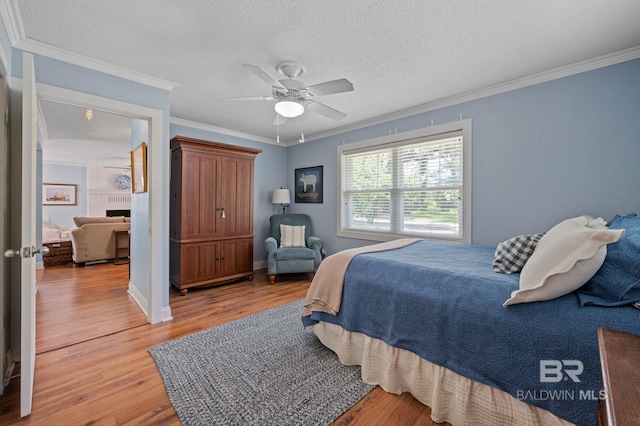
(512, 254)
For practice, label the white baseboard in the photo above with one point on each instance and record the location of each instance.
(140, 298)
(260, 264)
(166, 314)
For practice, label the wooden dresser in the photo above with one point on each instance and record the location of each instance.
(211, 210)
(620, 362)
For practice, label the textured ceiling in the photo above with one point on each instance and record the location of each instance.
(103, 141)
(398, 55)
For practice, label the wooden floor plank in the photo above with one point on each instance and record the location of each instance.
(104, 375)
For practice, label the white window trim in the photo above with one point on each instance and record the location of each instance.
(463, 126)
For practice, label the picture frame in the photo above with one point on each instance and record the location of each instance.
(139, 169)
(59, 194)
(308, 184)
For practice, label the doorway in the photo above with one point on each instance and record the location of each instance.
(87, 150)
(149, 274)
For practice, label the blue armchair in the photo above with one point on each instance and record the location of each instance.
(305, 257)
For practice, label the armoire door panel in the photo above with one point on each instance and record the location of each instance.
(191, 203)
(208, 181)
(244, 203)
(237, 196)
(175, 204)
(199, 262)
(226, 196)
(236, 256)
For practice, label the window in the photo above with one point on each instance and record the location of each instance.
(412, 184)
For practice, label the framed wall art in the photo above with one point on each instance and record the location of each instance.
(59, 194)
(139, 169)
(308, 185)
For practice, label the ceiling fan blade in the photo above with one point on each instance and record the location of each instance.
(263, 75)
(331, 87)
(250, 98)
(327, 111)
(279, 120)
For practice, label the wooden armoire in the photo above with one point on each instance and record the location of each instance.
(211, 213)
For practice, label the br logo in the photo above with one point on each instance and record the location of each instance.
(553, 370)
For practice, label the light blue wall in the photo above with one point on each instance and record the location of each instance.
(270, 173)
(139, 246)
(540, 154)
(72, 175)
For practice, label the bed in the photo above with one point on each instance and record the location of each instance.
(428, 318)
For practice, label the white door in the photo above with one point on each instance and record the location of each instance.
(26, 252)
(28, 279)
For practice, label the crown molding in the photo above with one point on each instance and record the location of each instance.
(12, 20)
(10, 13)
(221, 130)
(63, 55)
(554, 74)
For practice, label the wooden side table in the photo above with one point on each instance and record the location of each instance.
(620, 363)
(121, 252)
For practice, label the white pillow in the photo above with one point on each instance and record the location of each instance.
(292, 236)
(565, 258)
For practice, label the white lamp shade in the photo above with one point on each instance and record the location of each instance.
(289, 109)
(281, 196)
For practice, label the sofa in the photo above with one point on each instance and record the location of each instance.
(94, 240)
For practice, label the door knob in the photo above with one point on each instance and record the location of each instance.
(42, 250)
(11, 253)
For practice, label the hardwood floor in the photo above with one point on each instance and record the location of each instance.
(107, 377)
(72, 309)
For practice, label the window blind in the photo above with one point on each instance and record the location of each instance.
(409, 187)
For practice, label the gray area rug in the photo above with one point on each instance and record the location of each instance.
(264, 369)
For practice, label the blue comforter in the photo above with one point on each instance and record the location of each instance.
(443, 302)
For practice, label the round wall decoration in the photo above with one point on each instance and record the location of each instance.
(123, 182)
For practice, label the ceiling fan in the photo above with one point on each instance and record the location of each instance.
(293, 96)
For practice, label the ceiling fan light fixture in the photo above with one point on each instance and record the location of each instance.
(289, 109)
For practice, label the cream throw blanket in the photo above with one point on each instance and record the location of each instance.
(325, 292)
